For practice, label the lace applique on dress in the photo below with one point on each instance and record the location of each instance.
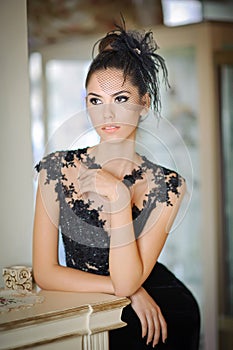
(83, 228)
(165, 181)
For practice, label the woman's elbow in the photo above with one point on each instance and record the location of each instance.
(125, 290)
(41, 279)
(125, 287)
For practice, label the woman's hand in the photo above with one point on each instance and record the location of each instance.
(150, 315)
(104, 184)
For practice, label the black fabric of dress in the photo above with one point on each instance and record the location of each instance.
(178, 307)
(86, 241)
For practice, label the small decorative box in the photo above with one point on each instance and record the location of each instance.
(18, 278)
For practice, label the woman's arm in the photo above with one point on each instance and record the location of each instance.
(131, 261)
(48, 273)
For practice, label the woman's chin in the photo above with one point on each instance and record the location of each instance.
(112, 139)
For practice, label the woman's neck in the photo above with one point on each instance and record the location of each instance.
(119, 157)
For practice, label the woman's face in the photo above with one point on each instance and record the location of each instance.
(114, 105)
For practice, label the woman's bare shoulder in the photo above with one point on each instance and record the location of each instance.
(164, 182)
(60, 159)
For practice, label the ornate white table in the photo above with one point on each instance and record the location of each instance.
(62, 321)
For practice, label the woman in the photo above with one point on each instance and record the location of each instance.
(114, 208)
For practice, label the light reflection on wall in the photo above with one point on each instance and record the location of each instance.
(178, 12)
(36, 104)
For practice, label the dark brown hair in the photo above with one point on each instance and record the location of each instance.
(135, 54)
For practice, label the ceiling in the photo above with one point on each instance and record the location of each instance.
(50, 21)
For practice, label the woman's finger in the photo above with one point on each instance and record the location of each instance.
(143, 322)
(163, 324)
(151, 328)
(157, 327)
(87, 181)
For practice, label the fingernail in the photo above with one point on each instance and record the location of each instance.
(165, 341)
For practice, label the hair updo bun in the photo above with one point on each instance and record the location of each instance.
(134, 53)
(105, 43)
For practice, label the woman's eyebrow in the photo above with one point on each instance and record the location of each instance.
(115, 93)
(92, 93)
(121, 92)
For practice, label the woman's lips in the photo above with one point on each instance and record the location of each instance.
(110, 128)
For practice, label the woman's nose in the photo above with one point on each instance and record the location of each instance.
(108, 111)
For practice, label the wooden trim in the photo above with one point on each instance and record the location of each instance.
(103, 306)
(44, 342)
(33, 320)
(116, 304)
(63, 316)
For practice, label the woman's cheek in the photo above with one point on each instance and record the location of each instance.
(95, 116)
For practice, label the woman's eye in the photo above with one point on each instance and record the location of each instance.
(95, 101)
(121, 99)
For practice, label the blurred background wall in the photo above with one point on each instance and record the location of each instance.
(15, 137)
(45, 52)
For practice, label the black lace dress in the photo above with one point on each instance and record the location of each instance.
(84, 230)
